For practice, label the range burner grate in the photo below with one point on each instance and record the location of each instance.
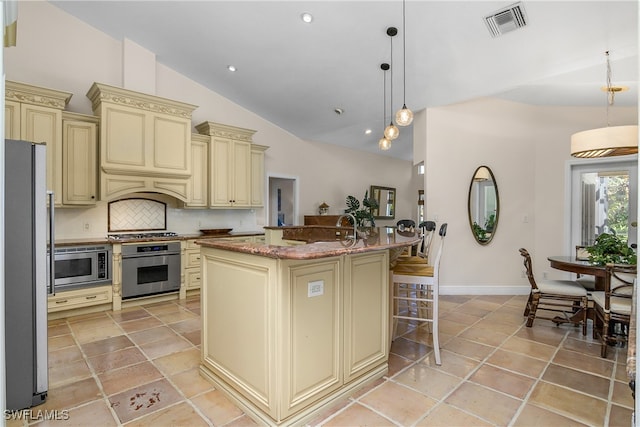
(141, 236)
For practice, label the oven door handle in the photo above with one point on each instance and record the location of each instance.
(150, 254)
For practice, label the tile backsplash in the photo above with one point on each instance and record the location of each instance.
(82, 223)
(137, 215)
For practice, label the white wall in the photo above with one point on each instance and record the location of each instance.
(58, 51)
(527, 148)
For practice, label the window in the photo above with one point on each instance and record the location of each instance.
(603, 200)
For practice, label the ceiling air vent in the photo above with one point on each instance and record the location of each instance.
(505, 20)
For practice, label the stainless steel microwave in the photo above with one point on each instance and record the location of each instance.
(82, 266)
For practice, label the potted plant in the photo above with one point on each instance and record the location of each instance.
(362, 213)
(611, 249)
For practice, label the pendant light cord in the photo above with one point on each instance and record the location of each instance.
(610, 93)
(391, 90)
(404, 58)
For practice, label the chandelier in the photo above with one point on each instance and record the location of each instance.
(607, 141)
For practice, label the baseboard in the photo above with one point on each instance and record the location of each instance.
(485, 290)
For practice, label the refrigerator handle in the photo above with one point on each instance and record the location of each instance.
(52, 244)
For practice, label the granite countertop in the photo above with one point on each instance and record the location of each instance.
(106, 241)
(380, 238)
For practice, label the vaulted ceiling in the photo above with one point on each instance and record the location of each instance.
(296, 74)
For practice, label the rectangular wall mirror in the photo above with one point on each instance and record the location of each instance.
(386, 198)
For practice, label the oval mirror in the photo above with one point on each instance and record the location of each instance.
(484, 205)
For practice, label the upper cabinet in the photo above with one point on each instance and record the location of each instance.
(79, 159)
(145, 142)
(199, 182)
(236, 167)
(35, 114)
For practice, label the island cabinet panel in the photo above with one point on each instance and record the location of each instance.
(312, 336)
(285, 337)
(239, 325)
(366, 313)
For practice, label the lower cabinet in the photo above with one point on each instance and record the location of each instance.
(80, 298)
(306, 332)
(191, 262)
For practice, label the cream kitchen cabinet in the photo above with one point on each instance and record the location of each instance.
(191, 262)
(80, 298)
(257, 175)
(145, 142)
(79, 159)
(199, 181)
(236, 166)
(306, 332)
(35, 114)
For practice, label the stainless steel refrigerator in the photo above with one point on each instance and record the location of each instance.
(27, 229)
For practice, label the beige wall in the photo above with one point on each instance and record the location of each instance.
(527, 148)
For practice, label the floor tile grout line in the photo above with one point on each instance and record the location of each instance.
(525, 401)
(148, 359)
(165, 376)
(94, 375)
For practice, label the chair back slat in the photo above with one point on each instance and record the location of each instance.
(529, 268)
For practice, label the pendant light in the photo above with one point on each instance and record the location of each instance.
(404, 116)
(607, 141)
(384, 143)
(391, 132)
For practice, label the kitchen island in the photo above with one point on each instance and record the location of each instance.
(288, 330)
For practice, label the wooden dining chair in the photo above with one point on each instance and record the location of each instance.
(564, 300)
(613, 306)
(416, 291)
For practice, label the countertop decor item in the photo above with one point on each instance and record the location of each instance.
(363, 214)
(215, 231)
(323, 209)
(611, 249)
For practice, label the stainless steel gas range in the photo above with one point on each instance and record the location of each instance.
(149, 267)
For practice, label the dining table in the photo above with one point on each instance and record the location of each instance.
(580, 266)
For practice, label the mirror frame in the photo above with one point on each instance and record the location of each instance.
(374, 192)
(497, 210)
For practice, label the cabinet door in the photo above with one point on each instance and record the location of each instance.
(366, 313)
(241, 174)
(12, 120)
(122, 136)
(257, 177)
(79, 180)
(171, 144)
(198, 183)
(42, 124)
(221, 166)
(312, 338)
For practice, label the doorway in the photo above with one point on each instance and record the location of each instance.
(282, 201)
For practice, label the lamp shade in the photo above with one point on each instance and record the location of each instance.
(605, 142)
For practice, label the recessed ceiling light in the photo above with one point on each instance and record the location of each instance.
(231, 68)
(307, 17)
(368, 132)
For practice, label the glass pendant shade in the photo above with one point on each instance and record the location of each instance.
(391, 132)
(404, 116)
(384, 143)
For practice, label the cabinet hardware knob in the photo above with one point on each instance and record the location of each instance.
(62, 301)
(92, 297)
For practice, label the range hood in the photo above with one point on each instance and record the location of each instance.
(145, 142)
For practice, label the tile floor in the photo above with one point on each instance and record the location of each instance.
(139, 367)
